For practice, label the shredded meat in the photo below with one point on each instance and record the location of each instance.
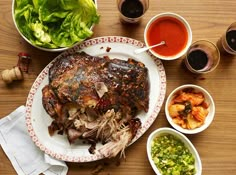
(96, 99)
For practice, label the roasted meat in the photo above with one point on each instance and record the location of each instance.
(96, 99)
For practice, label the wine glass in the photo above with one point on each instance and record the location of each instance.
(131, 11)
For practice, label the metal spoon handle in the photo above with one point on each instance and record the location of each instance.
(137, 51)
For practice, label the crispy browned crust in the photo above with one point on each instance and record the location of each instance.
(73, 79)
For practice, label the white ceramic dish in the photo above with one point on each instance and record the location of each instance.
(38, 47)
(38, 120)
(179, 18)
(208, 100)
(183, 138)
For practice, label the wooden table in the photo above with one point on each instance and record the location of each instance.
(208, 20)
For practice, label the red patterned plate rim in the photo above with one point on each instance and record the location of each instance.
(84, 45)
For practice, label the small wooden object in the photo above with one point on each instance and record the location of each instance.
(10, 75)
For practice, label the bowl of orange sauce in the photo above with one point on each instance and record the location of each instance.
(171, 28)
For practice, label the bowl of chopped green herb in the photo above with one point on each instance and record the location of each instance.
(171, 152)
(55, 25)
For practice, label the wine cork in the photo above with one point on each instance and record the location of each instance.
(18, 73)
(10, 75)
(5, 76)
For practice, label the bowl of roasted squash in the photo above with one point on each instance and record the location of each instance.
(190, 109)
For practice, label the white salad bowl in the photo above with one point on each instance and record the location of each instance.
(58, 49)
(180, 136)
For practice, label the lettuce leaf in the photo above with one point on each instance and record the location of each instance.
(57, 23)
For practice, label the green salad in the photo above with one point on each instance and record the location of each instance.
(171, 156)
(55, 23)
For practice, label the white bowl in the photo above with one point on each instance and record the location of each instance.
(183, 138)
(59, 49)
(181, 20)
(208, 100)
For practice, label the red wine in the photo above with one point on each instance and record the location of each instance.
(231, 39)
(198, 59)
(132, 8)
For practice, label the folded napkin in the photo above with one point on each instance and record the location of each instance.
(26, 158)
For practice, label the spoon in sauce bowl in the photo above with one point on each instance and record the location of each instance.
(137, 51)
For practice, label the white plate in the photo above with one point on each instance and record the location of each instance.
(38, 120)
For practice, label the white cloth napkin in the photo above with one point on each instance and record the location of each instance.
(26, 158)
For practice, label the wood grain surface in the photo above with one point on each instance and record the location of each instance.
(208, 20)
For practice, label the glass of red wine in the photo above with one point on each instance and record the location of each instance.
(227, 43)
(131, 11)
(202, 56)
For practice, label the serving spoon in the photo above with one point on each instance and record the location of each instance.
(137, 51)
